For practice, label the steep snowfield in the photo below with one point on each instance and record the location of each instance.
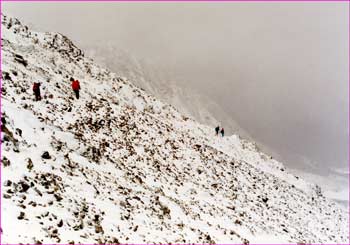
(124, 167)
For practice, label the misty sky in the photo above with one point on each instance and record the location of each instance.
(281, 69)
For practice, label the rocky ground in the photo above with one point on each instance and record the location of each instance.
(120, 166)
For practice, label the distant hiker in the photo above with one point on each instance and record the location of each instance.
(36, 90)
(217, 129)
(222, 132)
(75, 87)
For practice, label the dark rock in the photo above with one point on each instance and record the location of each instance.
(32, 203)
(5, 162)
(21, 60)
(37, 191)
(60, 224)
(6, 138)
(46, 155)
(238, 222)
(96, 217)
(21, 216)
(6, 76)
(19, 132)
(24, 186)
(7, 196)
(30, 164)
(99, 229)
(8, 183)
(58, 197)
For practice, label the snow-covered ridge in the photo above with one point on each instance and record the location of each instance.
(119, 166)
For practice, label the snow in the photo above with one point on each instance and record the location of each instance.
(128, 168)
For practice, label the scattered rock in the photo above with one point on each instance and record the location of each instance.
(30, 164)
(99, 229)
(7, 183)
(23, 186)
(46, 155)
(21, 216)
(19, 132)
(58, 197)
(60, 224)
(6, 162)
(6, 196)
(21, 60)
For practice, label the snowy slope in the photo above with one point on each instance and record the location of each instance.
(157, 82)
(123, 167)
(154, 80)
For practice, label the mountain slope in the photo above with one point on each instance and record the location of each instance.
(155, 81)
(120, 166)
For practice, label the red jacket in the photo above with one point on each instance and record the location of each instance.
(75, 85)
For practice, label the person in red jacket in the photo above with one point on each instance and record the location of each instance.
(75, 87)
(36, 90)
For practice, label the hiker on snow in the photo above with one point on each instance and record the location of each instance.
(222, 132)
(75, 87)
(36, 90)
(217, 129)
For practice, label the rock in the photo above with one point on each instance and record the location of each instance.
(46, 155)
(5, 162)
(8, 183)
(6, 76)
(21, 60)
(7, 196)
(32, 203)
(37, 191)
(245, 241)
(165, 210)
(60, 224)
(58, 197)
(21, 216)
(6, 138)
(99, 229)
(96, 217)
(19, 132)
(30, 164)
(79, 227)
(265, 199)
(24, 186)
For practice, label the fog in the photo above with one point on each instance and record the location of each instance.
(281, 69)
